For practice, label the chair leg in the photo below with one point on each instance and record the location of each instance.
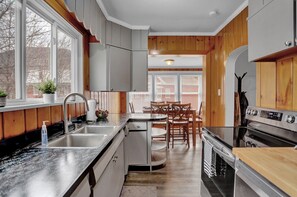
(172, 135)
(188, 136)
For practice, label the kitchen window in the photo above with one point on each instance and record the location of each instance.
(37, 44)
(162, 86)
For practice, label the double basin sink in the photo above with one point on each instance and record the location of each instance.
(89, 136)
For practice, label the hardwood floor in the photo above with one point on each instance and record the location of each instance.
(179, 178)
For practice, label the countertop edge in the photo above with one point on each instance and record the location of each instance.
(243, 155)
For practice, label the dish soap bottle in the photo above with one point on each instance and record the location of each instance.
(44, 139)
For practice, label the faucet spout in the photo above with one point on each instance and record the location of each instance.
(65, 108)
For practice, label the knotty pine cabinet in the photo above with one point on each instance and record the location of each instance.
(277, 84)
(271, 28)
(284, 84)
(266, 84)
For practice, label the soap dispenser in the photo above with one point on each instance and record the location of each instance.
(44, 139)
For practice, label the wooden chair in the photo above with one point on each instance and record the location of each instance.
(179, 119)
(160, 127)
(198, 121)
(172, 102)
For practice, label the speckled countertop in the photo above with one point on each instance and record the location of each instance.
(56, 172)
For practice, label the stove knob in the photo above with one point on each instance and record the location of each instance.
(248, 111)
(290, 119)
(254, 112)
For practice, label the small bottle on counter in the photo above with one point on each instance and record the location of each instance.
(44, 138)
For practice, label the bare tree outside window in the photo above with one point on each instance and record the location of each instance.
(7, 47)
(38, 50)
(64, 64)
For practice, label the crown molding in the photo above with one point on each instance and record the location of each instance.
(147, 27)
(231, 17)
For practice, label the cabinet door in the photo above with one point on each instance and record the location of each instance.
(271, 30)
(108, 32)
(126, 38)
(255, 6)
(119, 69)
(98, 67)
(284, 84)
(137, 148)
(115, 34)
(266, 84)
(139, 71)
(83, 189)
(111, 181)
(139, 39)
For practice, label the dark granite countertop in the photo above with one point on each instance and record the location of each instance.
(56, 172)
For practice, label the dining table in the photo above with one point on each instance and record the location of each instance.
(194, 122)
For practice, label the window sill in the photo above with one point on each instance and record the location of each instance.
(31, 105)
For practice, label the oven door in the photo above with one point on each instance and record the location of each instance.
(223, 183)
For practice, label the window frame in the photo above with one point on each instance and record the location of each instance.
(178, 89)
(41, 8)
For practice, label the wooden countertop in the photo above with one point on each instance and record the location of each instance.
(278, 165)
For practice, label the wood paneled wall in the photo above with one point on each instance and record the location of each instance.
(15, 123)
(180, 44)
(232, 36)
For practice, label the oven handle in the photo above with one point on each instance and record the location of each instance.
(219, 150)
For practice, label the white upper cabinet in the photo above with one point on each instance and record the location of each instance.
(139, 71)
(110, 68)
(139, 39)
(271, 29)
(117, 35)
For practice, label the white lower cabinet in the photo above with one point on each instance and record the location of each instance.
(110, 178)
(83, 189)
(137, 144)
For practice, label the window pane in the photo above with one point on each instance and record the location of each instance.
(38, 49)
(190, 90)
(64, 64)
(165, 88)
(142, 99)
(7, 47)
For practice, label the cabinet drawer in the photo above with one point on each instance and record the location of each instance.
(138, 126)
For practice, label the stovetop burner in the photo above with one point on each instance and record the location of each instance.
(266, 128)
(230, 136)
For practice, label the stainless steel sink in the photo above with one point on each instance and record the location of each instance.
(78, 141)
(95, 129)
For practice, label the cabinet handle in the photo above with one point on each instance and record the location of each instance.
(111, 89)
(288, 43)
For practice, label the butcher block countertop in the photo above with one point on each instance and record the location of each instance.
(278, 165)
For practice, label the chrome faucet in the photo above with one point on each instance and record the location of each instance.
(65, 108)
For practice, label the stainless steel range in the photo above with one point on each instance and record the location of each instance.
(266, 128)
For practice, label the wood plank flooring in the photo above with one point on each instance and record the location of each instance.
(179, 178)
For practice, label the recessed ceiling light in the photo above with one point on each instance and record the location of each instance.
(213, 13)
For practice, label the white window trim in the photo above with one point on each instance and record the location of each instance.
(57, 21)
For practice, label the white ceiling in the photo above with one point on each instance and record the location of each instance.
(173, 17)
(179, 60)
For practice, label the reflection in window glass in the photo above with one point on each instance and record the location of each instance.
(64, 64)
(38, 50)
(165, 88)
(189, 89)
(7, 47)
(142, 99)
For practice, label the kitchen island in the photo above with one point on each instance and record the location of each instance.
(277, 165)
(58, 171)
